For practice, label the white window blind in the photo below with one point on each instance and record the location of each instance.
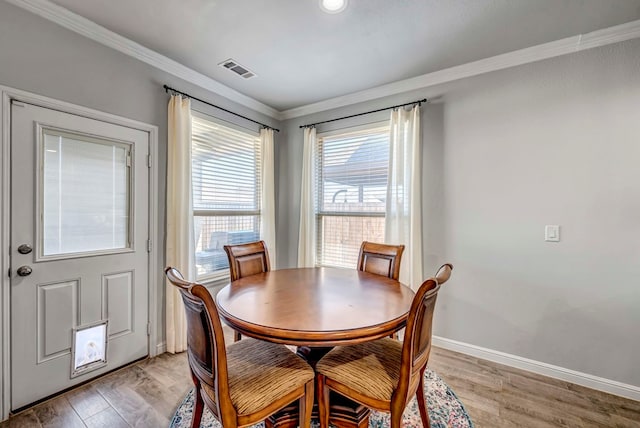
(85, 194)
(352, 170)
(226, 192)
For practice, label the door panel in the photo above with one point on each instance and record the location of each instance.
(80, 199)
(118, 302)
(57, 305)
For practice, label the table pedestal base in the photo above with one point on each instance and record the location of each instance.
(344, 413)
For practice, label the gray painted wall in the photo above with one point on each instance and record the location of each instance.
(554, 142)
(43, 58)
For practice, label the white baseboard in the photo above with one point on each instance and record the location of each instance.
(161, 348)
(578, 378)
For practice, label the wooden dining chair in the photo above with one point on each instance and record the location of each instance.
(385, 374)
(246, 382)
(247, 259)
(380, 259)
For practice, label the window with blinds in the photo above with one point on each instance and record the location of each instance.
(352, 170)
(226, 192)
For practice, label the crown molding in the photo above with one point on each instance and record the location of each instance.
(90, 29)
(615, 34)
(93, 31)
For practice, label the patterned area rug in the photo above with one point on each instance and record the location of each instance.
(445, 410)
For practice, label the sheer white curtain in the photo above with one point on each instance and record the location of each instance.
(180, 235)
(403, 220)
(268, 197)
(307, 235)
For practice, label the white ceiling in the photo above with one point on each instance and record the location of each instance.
(302, 55)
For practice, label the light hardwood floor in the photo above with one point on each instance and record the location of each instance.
(147, 393)
(500, 396)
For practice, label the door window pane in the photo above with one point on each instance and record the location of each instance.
(85, 194)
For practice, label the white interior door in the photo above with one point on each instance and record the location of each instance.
(79, 231)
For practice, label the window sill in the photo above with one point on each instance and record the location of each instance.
(214, 283)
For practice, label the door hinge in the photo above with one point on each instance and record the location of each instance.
(17, 103)
(9, 273)
(129, 159)
(148, 329)
(148, 245)
(148, 161)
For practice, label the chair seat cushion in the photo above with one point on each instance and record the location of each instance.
(261, 373)
(371, 368)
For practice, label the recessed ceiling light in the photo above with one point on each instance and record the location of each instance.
(333, 6)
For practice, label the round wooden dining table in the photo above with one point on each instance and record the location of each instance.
(315, 306)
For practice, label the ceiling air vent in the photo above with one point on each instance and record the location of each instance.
(240, 70)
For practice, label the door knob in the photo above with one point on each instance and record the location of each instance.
(25, 249)
(24, 270)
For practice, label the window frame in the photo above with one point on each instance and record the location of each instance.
(222, 274)
(42, 131)
(319, 188)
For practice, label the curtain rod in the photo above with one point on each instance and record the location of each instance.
(168, 88)
(419, 102)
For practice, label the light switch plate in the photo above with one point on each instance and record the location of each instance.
(552, 233)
